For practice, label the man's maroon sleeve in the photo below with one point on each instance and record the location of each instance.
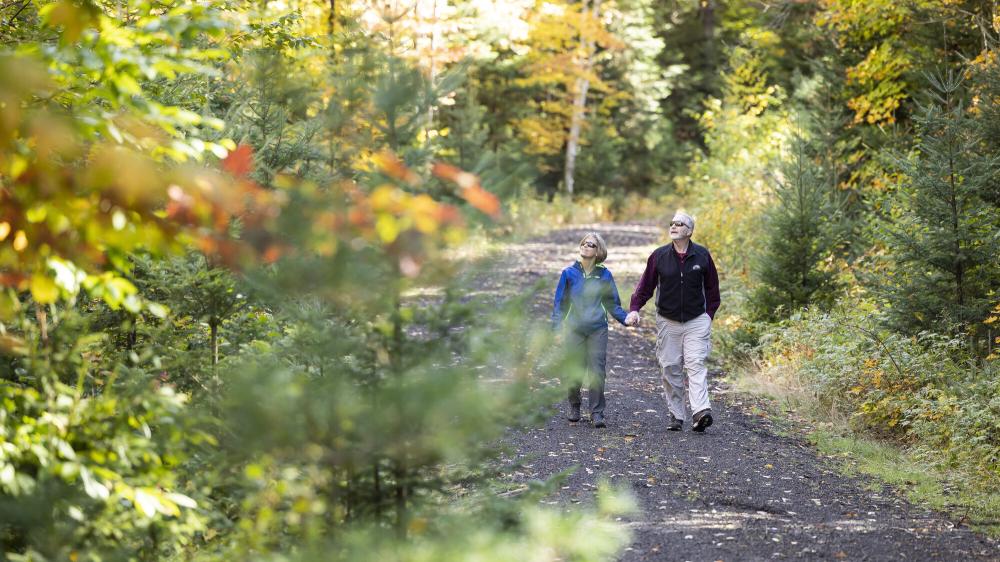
(647, 284)
(712, 298)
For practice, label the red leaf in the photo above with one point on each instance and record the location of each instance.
(239, 162)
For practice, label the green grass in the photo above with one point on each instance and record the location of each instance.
(953, 491)
(921, 483)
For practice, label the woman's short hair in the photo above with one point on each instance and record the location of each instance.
(602, 247)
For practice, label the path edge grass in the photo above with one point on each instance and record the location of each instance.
(906, 470)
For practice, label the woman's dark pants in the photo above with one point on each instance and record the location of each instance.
(592, 351)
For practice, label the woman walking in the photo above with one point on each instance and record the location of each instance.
(585, 294)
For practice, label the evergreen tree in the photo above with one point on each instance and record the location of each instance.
(941, 236)
(799, 237)
(600, 163)
(502, 167)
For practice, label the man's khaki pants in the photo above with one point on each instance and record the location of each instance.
(684, 346)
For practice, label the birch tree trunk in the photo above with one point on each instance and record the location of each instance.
(580, 99)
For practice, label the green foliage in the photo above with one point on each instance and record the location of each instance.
(747, 83)
(103, 61)
(463, 140)
(192, 288)
(91, 477)
(599, 166)
(940, 229)
(346, 395)
(730, 183)
(935, 487)
(336, 411)
(802, 232)
(269, 101)
(928, 391)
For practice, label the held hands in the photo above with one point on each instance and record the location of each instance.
(632, 318)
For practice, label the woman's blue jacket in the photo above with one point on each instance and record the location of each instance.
(584, 301)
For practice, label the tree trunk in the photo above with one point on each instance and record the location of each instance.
(213, 327)
(707, 13)
(580, 102)
(402, 517)
(43, 324)
(133, 336)
(332, 18)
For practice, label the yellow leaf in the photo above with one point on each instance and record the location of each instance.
(20, 241)
(44, 289)
(387, 228)
(18, 165)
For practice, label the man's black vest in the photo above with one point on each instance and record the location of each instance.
(680, 292)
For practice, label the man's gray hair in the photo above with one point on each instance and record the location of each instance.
(684, 218)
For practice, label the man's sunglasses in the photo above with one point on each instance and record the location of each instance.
(677, 223)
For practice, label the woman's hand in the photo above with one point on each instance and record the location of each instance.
(632, 318)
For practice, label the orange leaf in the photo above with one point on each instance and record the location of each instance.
(393, 167)
(482, 200)
(448, 214)
(272, 253)
(239, 162)
(471, 190)
(13, 279)
(464, 179)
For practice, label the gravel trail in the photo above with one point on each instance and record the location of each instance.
(740, 491)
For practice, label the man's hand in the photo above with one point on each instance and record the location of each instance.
(632, 318)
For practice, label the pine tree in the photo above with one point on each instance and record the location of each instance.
(800, 237)
(943, 253)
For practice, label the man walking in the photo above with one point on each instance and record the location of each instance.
(687, 295)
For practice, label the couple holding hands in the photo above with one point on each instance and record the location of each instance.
(686, 284)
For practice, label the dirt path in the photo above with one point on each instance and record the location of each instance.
(740, 491)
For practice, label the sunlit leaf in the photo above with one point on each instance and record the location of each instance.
(182, 500)
(20, 241)
(147, 503)
(483, 200)
(92, 487)
(239, 162)
(387, 228)
(43, 289)
(464, 179)
(11, 345)
(390, 165)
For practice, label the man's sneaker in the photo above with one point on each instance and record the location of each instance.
(674, 424)
(598, 420)
(702, 420)
(574, 413)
